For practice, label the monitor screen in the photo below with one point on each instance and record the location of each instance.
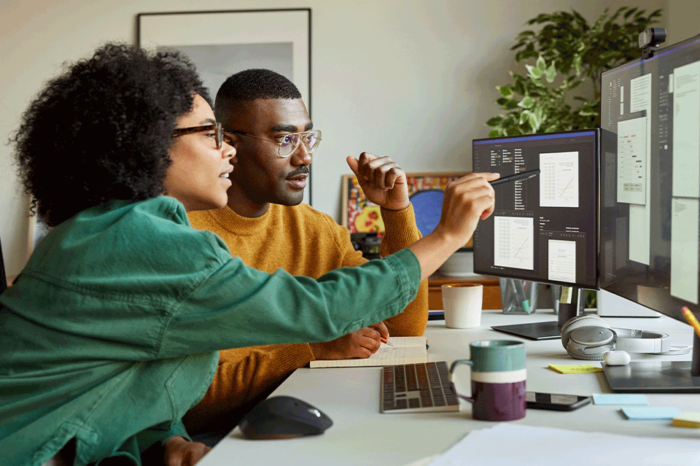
(543, 229)
(650, 180)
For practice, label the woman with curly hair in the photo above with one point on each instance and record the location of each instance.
(110, 334)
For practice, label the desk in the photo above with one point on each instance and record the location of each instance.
(361, 435)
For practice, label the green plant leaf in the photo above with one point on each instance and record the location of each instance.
(541, 65)
(505, 91)
(551, 73)
(494, 133)
(534, 122)
(511, 104)
(533, 72)
(588, 112)
(527, 102)
(523, 117)
(495, 121)
(578, 61)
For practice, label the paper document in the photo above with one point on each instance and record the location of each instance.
(632, 161)
(562, 260)
(559, 179)
(403, 350)
(686, 120)
(543, 446)
(684, 248)
(514, 242)
(640, 215)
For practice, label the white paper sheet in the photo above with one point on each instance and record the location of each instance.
(562, 260)
(686, 121)
(518, 445)
(684, 248)
(640, 215)
(514, 242)
(632, 161)
(559, 179)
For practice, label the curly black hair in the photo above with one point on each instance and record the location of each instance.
(252, 85)
(102, 130)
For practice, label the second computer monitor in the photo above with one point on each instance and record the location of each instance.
(543, 229)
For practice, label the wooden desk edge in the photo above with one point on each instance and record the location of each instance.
(492, 290)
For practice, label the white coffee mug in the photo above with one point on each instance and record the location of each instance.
(462, 304)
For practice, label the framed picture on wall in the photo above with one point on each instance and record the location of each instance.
(222, 43)
(426, 191)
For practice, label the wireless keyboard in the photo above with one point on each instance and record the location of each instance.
(417, 388)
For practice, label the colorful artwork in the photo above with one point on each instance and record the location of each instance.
(425, 190)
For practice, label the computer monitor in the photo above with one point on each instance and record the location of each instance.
(544, 229)
(650, 199)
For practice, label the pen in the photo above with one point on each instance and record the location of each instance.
(385, 341)
(691, 319)
(516, 177)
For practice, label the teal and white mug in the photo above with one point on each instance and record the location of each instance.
(497, 379)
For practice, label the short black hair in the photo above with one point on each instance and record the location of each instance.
(102, 130)
(251, 85)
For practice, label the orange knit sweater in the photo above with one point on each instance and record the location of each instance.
(301, 241)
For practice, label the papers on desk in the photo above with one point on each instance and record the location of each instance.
(403, 350)
(544, 446)
(651, 413)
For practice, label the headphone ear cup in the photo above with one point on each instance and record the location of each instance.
(576, 323)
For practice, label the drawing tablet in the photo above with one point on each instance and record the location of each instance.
(532, 331)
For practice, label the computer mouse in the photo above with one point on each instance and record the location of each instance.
(616, 358)
(282, 417)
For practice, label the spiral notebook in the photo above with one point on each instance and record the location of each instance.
(403, 350)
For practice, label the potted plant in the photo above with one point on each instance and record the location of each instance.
(567, 52)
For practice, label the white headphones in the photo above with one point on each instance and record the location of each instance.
(589, 337)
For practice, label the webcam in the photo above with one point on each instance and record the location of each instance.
(650, 39)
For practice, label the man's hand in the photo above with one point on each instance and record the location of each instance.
(467, 200)
(180, 452)
(358, 344)
(381, 179)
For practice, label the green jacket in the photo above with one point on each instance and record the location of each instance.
(111, 332)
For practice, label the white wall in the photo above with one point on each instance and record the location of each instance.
(682, 20)
(412, 79)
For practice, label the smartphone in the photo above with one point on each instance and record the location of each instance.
(536, 400)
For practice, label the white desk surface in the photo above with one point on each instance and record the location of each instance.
(361, 435)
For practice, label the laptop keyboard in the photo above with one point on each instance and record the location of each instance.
(414, 388)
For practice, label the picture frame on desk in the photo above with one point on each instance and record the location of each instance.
(222, 43)
(425, 190)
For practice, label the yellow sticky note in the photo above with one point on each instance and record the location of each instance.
(688, 419)
(565, 297)
(581, 369)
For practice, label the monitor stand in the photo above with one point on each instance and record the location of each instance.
(657, 376)
(550, 330)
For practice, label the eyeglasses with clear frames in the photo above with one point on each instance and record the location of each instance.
(288, 143)
(216, 127)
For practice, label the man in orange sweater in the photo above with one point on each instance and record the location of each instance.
(268, 227)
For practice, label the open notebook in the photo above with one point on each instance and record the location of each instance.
(405, 350)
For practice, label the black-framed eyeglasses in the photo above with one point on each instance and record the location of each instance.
(288, 143)
(216, 127)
